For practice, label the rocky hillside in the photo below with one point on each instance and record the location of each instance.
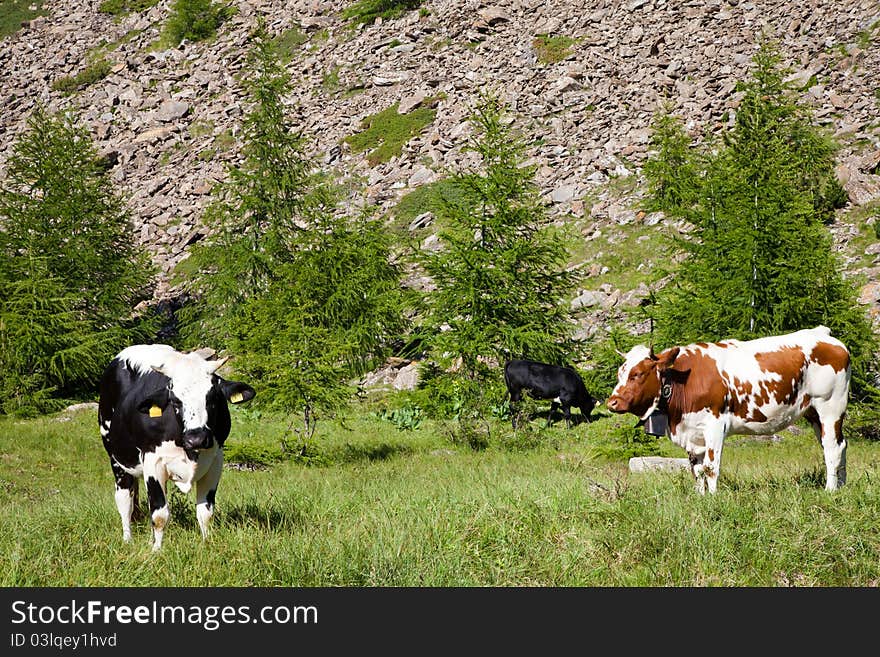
(583, 84)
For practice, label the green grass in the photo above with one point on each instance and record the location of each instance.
(367, 11)
(289, 42)
(552, 49)
(865, 234)
(13, 12)
(385, 132)
(633, 253)
(200, 128)
(426, 198)
(194, 20)
(330, 80)
(408, 508)
(124, 7)
(225, 140)
(94, 72)
(106, 47)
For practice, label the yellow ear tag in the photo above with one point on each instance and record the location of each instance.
(237, 397)
(155, 411)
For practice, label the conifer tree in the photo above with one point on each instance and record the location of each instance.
(501, 282)
(760, 261)
(68, 264)
(305, 297)
(253, 218)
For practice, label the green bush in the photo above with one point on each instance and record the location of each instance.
(501, 279)
(124, 7)
(306, 298)
(14, 12)
(194, 20)
(405, 418)
(862, 421)
(92, 73)
(552, 49)
(760, 260)
(385, 132)
(367, 11)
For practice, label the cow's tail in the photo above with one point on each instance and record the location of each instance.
(507, 378)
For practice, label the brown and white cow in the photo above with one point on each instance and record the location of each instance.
(711, 390)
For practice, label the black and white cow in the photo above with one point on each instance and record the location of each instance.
(162, 415)
(561, 384)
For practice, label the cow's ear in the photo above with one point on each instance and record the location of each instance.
(677, 376)
(667, 358)
(158, 400)
(236, 392)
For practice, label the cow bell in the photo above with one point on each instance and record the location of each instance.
(656, 424)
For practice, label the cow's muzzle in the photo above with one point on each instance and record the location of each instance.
(616, 404)
(198, 438)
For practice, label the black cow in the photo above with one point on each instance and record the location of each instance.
(561, 384)
(162, 415)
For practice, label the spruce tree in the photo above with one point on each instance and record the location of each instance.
(253, 218)
(69, 266)
(760, 261)
(305, 297)
(501, 282)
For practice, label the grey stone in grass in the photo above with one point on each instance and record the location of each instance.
(651, 463)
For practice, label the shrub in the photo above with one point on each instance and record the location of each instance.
(405, 418)
(92, 73)
(385, 132)
(124, 7)
(306, 298)
(194, 20)
(14, 12)
(552, 49)
(367, 11)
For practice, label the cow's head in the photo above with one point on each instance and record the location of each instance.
(639, 381)
(197, 396)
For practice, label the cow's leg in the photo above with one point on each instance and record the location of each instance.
(828, 425)
(206, 490)
(514, 397)
(834, 448)
(566, 411)
(126, 497)
(155, 477)
(696, 451)
(695, 457)
(712, 459)
(553, 406)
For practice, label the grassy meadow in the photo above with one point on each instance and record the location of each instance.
(384, 507)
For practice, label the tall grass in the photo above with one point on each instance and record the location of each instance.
(407, 508)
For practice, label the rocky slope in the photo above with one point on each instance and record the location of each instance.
(168, 119)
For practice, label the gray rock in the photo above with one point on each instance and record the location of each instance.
(564, 194)
(171, 110)
(657, 463)
(422, 221)
(85, 406)
(409, 103)
(588, 299)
